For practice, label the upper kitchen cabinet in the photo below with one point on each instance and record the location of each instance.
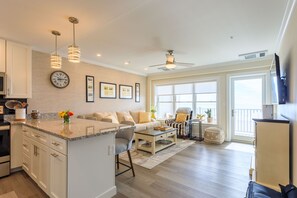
(18, 70)
(2, 55)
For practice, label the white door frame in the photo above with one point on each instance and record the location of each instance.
(265, 95)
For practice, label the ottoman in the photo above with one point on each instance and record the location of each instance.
(214, 135)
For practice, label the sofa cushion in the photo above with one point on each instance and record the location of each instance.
(112, 118)
(100, 115)
(121, 116)
(135, 116)
(129, 118)
(139, 127)
(144, 117)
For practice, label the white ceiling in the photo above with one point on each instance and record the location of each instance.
(141, 31)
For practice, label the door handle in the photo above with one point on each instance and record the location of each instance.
(55, 143)
(54, 155)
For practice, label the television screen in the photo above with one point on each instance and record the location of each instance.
(278, 87)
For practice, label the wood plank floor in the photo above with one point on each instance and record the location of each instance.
(201, 170)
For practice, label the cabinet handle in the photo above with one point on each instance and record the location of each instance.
(54, 155)
(55, 143)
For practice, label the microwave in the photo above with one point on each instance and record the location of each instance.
(2, 83)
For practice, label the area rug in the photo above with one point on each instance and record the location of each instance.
(149, 161)
(9, 195)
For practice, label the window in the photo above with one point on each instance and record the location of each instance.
(198, 96)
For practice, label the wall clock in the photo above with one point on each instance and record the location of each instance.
(60, 79)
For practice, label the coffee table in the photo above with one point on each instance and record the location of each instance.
(155, 140)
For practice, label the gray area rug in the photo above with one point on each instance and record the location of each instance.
(149, 161)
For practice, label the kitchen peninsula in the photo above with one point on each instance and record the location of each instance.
(70, 160)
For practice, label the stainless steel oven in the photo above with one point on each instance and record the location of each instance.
(4, 149)
(2, 83)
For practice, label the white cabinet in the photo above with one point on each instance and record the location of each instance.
(2, 55)
(16, 145)
(272, 158)
(58, 176)
(18, 70)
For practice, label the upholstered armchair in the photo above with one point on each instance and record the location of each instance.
(181, 121)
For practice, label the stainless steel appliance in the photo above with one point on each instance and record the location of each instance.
(4, 149)
(2, 83)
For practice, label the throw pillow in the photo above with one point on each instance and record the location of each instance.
(135, 116)
(113, 119)
(181, 117)
(121, 116)
(129, 118)
(144, 117)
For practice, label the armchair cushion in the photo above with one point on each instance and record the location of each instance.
(181, 117)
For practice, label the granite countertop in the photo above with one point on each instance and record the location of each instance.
(75, 130)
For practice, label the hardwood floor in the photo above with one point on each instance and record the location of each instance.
(201, 170)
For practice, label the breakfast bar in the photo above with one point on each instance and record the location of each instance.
(70, 160)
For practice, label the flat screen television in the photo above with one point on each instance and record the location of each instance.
(278, 83)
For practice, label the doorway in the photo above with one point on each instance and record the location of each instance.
(247, 97)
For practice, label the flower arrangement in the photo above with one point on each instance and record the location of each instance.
(153, 109)
(66, 115)
(200, 117)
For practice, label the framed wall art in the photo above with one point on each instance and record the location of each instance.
(137, 92)
(126, 92)
(90, 89)
(108, 90)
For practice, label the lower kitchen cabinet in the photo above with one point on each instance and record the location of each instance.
(16, 142)
(58, 176)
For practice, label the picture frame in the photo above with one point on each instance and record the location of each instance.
(90, 93)
(125, 92)
(108, 90)
(137, 92)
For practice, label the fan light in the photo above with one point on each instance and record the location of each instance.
(170, 66)
(56, 60)
(73, 50)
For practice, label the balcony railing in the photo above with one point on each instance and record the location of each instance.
(243, 123)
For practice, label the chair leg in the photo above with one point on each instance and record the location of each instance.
(131, 164)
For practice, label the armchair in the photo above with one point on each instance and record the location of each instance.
(182, 125)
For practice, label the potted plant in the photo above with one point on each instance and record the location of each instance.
(153, 111)
(208, 113)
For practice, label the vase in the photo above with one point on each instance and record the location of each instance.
(66, 120)
(153, 116)
(209, 120)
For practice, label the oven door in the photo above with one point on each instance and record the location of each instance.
(2, 83)
(4, 151)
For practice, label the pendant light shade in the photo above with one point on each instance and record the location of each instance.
(73, 50)
(56, 60)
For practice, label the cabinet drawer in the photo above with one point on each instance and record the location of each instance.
(58, 144)
(26, 146)
(26, 131)
(40, 137)
(26, 164)
(170, 134)
(161, 137)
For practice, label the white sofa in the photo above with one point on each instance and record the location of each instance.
(121, 118)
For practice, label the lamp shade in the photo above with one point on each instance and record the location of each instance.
(73, 54)
(56, 61)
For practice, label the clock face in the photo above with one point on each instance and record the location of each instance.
(60, 79)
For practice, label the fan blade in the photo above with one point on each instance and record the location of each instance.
(185, 64)
(156, 65)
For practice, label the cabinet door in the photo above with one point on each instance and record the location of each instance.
(34, 162)
(2, 55)
(58, 183)
(18, 70)
(16, 145)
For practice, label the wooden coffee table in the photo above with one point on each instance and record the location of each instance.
(155, 140)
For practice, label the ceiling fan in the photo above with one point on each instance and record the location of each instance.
(170, 63)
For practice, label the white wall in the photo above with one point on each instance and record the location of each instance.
(220, 74)
(48, 99)
(288, 61)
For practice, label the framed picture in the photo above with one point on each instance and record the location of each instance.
(108, 90)
(137, 92)
(126, 92)
(90, 89)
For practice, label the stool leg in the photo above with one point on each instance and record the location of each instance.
(131, 164)
(118, 164)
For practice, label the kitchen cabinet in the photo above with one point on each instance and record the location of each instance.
(272, 152)
(18, 70)
(58, 176)
(2, 55)
(16, 145)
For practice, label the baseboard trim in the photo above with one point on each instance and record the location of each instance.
(109, 193)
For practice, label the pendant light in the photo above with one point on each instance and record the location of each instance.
(73, 50)
(56, 60)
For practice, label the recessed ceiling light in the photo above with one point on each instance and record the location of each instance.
(127, 62)
(99, 55)
(146, 69)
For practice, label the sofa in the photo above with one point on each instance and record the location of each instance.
(139, 119)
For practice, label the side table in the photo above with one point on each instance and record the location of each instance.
(199, 138)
